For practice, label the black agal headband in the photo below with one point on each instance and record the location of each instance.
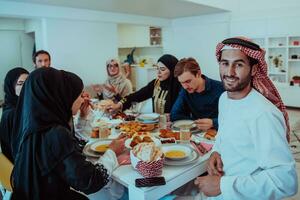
(241, 42)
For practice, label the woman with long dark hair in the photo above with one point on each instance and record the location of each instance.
(47, 162)
(13, 83)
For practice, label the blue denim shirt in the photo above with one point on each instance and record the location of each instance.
(199, 105)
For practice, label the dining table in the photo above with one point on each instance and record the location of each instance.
(176, 175)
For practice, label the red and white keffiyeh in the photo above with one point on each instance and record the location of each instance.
(260, 80)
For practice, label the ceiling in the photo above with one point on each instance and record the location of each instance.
(169, 9)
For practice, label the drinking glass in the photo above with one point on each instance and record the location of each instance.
(185, 134)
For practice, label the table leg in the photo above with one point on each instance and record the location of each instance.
(135, 193)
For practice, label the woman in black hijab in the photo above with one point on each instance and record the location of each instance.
(163, 90)
(13, 83)
(47, 162)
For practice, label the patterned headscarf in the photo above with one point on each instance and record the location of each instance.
(119, 81)
(260, 81)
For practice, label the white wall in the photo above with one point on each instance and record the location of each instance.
(81, 47)
(38, 11)
(38, 28)
(15, 48)
(263, 27)
(197, 37)
(78, 40)
(64, 31)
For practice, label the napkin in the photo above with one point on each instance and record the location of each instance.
(202, 148)
(124, 158)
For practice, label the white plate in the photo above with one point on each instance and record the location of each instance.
(177, 147)
(95, 144)
(155, 140)
(186, 122)
(178, 124)
(199, 137)
(90, 153)
(193, 157)
(148, 122)
(148, 117)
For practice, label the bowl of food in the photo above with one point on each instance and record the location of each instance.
(100, 146)
(147, 159)
(176, 151)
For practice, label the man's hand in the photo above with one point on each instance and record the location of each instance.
(215, 165)
(204, 124)
(209, 185)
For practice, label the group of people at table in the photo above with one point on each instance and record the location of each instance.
(250, 159)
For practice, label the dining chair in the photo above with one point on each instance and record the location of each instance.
(6, 168)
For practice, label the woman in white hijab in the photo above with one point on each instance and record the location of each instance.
(116, 86)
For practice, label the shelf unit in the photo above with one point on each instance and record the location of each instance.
(287, 50)
(130, 35)
(155, 36)
(283, 59)
(148, 43)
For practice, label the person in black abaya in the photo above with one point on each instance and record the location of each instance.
(13, 83)
(163, 90)
(47, 162)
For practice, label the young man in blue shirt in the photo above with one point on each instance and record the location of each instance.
(199, 97)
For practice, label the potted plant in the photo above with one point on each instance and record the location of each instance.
(277, 61)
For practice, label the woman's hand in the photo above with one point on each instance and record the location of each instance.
(118, 145)
(85, 106)
(113, 108)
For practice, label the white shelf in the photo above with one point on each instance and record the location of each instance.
(293, 46)
(277, 47)
(150, 46)
(277, 73)
(294, 60)
(146, 66)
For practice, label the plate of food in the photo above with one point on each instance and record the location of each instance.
(136, 139)
(176, 151)
(100, 146)
(89, 152)
(191, 158)
(103, 104)
(133, 127)
(166, 133)
(210, 134)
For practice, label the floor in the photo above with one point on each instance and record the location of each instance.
(294, 116)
